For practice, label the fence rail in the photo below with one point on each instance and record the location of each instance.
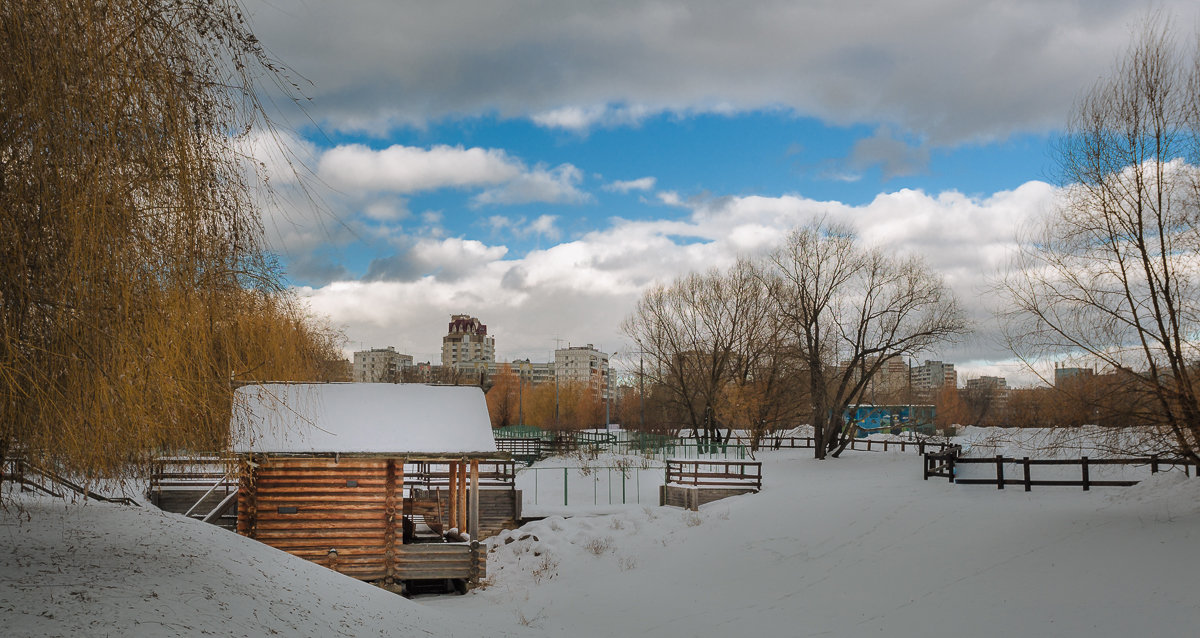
(715, 473)
(945, 465)
(528, 445)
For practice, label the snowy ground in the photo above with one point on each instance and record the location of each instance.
(110, 570)
(852, 547)
(856, 547)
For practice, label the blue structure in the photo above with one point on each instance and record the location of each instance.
(893, 419)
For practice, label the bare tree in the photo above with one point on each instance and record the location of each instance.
(1112, 274)
(699, 334)
(849, 311)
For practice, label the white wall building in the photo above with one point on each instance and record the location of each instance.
(380, 365)
(582, 364)
(933, 376)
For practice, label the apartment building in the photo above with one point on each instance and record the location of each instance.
(582, 364)
(380, 365)
(467, 346)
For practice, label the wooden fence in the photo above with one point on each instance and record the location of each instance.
(528, 449)
(945, 465)
(920, 446)
(747, 474)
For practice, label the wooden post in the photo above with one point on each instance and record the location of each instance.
(999, 472)
(921, 446)
(462, 495)
(925, 471)
(453, 495)
(247, 499)
(1028, 483)
(1154, 464)
(474, 519)
(1087, 484)
(950, 467)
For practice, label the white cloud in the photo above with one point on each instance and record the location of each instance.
(359, 171)
(670, 198)
(639, 184)
(559, 185)
(581, 289)
(544, 226)
(407, 169)
(580, 119)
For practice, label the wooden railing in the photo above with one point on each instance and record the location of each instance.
(433, 475)
(700, 473)
(529, 448)
(20, 472)
(945, 465)
(920, 446)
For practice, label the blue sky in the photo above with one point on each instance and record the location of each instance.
(539, 164)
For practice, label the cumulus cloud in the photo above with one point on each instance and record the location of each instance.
(949, 71)
(639, 184)
(582, 289)
(559, 185)
(356, 169)
(406, 169)
(448, 260)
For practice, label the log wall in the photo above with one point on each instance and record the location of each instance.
(345, 514)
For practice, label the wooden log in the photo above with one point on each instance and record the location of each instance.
(390, 515)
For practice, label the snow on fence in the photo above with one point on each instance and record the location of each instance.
(1004, 470)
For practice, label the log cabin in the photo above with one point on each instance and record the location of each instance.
(381, 482)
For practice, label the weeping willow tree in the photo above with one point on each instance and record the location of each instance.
(133, 282)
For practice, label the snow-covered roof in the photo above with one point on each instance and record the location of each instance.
(361, 418)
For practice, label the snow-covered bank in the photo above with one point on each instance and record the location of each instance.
(862, 546)
(852, 547)
(110, 570)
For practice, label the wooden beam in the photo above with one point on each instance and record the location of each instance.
(454, 494)
(462, 495)
(474, 500)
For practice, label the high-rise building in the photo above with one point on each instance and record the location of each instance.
(582, 364)
(467, 345)
(380, 365)
(932, 376)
